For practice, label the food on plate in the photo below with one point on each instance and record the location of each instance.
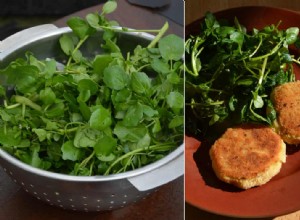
(248, 155)
(286, 99)
(98, 114)
(231, 73)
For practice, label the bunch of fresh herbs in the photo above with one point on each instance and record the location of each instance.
(99, 115)
(231, 72)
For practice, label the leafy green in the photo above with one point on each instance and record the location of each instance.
(231, 72)
(97, 115)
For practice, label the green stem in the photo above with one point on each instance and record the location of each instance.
(274, 50)
(159, 35)
(164, 147)
(28, 102)
(76, 49)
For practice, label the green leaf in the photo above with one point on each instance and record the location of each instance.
(171, 47)
(115, 77)
(132, 134)
(133, 115)
(87, 84)
(80, 27)
(86, 137)
(55, 110)
(25, 78)
(41, 133)
(47, 96)
(105, 146)
(109, 7)
(140, 82)
(292, 35)
(70, 152)
(176, 121)
(160, 66)
(66, 44)
(175, 100)
(93, 20)
(100, 119)
(101, 62)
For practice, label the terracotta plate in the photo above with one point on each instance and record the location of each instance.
(202, 188)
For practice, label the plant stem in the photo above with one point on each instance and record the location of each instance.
(159, 35)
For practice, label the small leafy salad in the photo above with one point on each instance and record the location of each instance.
(231, 72)
(98, 115)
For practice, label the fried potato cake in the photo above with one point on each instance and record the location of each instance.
(286, 101)
(248, 155)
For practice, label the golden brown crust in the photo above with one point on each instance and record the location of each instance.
(286, 99)
(246, 153)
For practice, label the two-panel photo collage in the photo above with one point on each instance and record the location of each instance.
(150, 110)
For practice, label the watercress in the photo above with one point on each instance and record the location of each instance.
(231, 72)
(98, 115)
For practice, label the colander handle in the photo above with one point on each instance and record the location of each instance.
(160, 176)
(24, 37)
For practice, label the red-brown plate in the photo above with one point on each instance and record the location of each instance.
(202, 188)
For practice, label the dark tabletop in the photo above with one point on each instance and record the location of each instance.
(166, 203)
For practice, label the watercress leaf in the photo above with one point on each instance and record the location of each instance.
(160, 66)
(258, 101)
(149, 111)
(109, 7)
(132, 134)
(41, 133)
(176, 121)
(175, 100)
(133, 115)
(123, 95)
(174, 78)
(100, 63)
(85, 110)
(93, 20)
(144, 142)
(115, 77)
(86, 137)
(140, 82)
(5, 116)
(292, 35)
(84, 96)
(105, 146)
(66, 44)
(80, 27)
(87, 84)
(100, 118)
(171, 47)
(237, 37)
(70, 152)
(7, 137)
(25, 78)
(55, 110)
(157, 126)
(47, 96)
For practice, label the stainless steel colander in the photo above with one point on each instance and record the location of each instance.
(95, 193)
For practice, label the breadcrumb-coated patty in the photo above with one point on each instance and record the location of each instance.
(248, 155)
(286, 101)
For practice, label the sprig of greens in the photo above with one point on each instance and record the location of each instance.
(231, 73)
(96, 115)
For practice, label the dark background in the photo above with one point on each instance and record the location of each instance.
(16, 15)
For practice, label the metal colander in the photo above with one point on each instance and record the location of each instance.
(81, 193)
